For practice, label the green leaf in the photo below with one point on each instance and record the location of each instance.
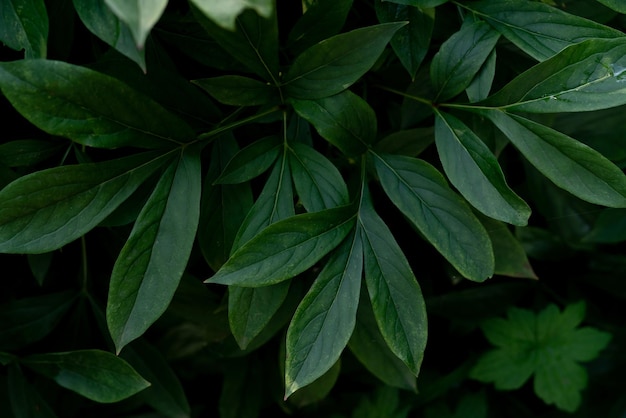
(583, 77)
(609, 227)
(423, 196)
(345, 120)
(139, 15)
(26, 402)
(27, 152)
(30, 319)
(460, 58)
(286, 248)
(616, 5)
(103, 23)
(334, 64)
(475, 172)
(480, 86)
(325, 319)
(318, 182)
(242, 390)
(571, 165)
(237, 90)
(251, 161)
(45, 210)
(51, 95)
(94, 374)
(151, 263)
(537, 28)
(24, 25)
(396, 297)
(318, 390)
(419, 3)
(225, 12)
(411, 42)
(409, 142)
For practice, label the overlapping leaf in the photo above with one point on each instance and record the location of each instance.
(251, 161)
(225, 12)
(139, 15)
(237, 90)
(24, 25)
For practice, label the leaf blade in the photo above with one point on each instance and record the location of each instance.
(25, 26)
(140, 16)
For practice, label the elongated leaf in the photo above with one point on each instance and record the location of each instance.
(45, 210)
(94, 374)
(583, 77)
(286, 248)
(25, 400)
(103, 23)
(225, 12)
(475, 172)
(24, 25)
(317, 390)
(52, 95)
(139, 15)
(480, 86)
(421, 193)
(251, 161)
(324, 321)
(345, 120)
(409, 142)
(616, 5)
(538, 29)
(151, 263)
(571, 165)
(237, 90)
(396, 297)
(460, 58)
(334, 64)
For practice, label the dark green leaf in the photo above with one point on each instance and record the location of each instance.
(251, 161)
(94, 374)
(480, 87)
(325, 319)
(45, 210)
(242, 390)
(286, 248)
(396, 297)
(409, 142)
(334, 64)
(236, 90)
(25, 400)
(27, 152)
(345, 120)
(51, 95)
(475, 172)
(537, 28)
(571, 165)
(140, 16)
(225, 12)
(616, 5)
(419, 3)
(24, 25)
(152, 261)
(40, 266)
(318, 390)
(610, 227)
(421, 193)
(460, 58)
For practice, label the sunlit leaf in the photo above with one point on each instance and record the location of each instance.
(225, 12)
(139, 15)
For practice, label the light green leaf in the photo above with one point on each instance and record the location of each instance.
(616, 5)
(334, 64)
(396, 297)
(571, 165)
(325, 319)
(51, 95)
(151, 263)
(25, 401)
(480, 86)
(45, 210)
(139, 15)
(536, 28)
(475, 172)
(345, 120)
(251, 161)
(460, 58)
(94, 374)
(286, 248)
(318, 182)
(225, 12)
(237, 90)
(423, 196)
(24, 25)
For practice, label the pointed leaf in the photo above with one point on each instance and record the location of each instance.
(421, 193)
(225, 12)
(51, 95)
(151, 263)
(571, 165)
(334, 64)
(251, 161)
(139, 15)
(237, 90)
(94, 374)
(47, 209)
(396, 297)
(480, 87)
(286, 248)
(475, 172)
(24, 25)
(325, 319)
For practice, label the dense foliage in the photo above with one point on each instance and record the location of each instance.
(243, 208)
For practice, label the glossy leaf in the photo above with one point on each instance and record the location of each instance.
(225, 12)
(139, 15)
(345, 120)
(51, 95)
(25, 26)
(538, 29)
(334, 64)
(569, 164)
(317, 181)
(251, 161)
(460, 58)
(476, 173)
(421, 193)
(151, 263)
(396, 297)
(324, 321)
(45, 210)
(26, 402)
(237, 90)
(94, 374)
(286, 248)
